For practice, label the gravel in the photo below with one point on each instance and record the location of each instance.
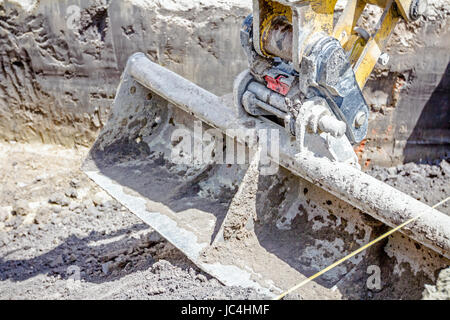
(429, 183)
(441, 291)
(62, 237)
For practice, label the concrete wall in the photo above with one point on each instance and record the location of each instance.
(61, 61)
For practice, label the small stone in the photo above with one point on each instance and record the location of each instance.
(156, 290)
(445, 166)
(392, 171)
(59, 199)
(120, 261)
(4, 214)
(74, 206)
(415, 177)
(15, 222)
(161, 265)
(90, 260)
(112, 254)
(434, 171)
(92, 210)
(75, 183)
(375, 107)
(106, 267)
(21, 208)
(100, 198)
(214, 282)
(40, 177)
(56, 209)
(42, 216)
(54, 199)
(71, 193)
(154, 237)
(410, 167)
(201, 278)
(86, 203)
(57, 261)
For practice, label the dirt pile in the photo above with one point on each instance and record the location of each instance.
(429, 183)
(62, 60)
(441, 291)
(61, 237)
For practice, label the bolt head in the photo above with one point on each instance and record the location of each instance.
(360, 119)
(383, 59)
(417, 8)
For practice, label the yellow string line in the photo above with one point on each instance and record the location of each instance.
(301, 284)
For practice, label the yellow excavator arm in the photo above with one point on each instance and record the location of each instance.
(310, 17)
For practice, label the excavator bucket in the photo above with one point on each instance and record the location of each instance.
(233, 192)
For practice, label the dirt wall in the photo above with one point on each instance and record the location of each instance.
(61, 61)
(409, 97)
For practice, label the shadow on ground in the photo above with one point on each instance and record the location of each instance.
(93, 255)
(430, 138)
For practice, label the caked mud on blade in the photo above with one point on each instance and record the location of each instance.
(265, 231)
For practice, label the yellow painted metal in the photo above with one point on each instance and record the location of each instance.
(347, 21)
(356, 49)
(364, 54)
(375, 45)
(316, 16)
(318, 12)
(403, 8)
(271, 10)
(348, 46)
